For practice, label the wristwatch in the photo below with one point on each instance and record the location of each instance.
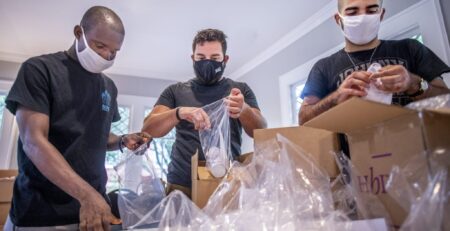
(423, 86)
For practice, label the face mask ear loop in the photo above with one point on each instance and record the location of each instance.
(341, 21)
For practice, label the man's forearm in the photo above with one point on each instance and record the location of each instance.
(309, 111)
(49, 161)
(160, 124)
(435, 87)
(252, 119)
(113, 142)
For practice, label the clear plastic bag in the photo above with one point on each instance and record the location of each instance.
(175, 212)
(215, 141)
(373, 93)
(140, 188)
(421, 187)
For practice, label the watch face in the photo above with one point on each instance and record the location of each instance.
(424, 85)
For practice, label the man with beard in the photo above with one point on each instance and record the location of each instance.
(180, 106)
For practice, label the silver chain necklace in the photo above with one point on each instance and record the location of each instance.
(370, 61)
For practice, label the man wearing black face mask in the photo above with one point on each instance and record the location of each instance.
(180, 106)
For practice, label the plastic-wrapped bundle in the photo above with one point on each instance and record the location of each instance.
(282, 188)
(140, 188)
(438, 102)
(215, 141)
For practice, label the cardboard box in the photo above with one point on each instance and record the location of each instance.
(7, 178)
(318, 143)
(381, 136)
(203, 183)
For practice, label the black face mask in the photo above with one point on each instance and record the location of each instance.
(208, 72)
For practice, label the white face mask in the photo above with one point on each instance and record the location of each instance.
(361, 29)
(90, 60)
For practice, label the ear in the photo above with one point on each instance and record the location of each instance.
(77, 31)
(192, 57)
(226, 58)
(383, 11)
(338, 20)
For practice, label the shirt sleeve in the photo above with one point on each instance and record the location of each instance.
(116, 115)
(30, 90)
(167, 98)
(316, 84)
(426, 63)
(249, 96)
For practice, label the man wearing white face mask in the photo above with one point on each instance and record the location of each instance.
(409, 70)
(64, 108)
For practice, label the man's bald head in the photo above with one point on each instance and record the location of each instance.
(341, 4)
(100, 15)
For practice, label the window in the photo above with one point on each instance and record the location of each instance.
(418, 37)
(161, 148)
(112, 158)
(296, 91)
(2, 107)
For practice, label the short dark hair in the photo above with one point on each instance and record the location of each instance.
(210, 35)
(340, 4)
(99, 14)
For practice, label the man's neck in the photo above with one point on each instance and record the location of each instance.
(72, 53)
(350, 47)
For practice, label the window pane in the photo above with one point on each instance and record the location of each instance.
(296, 91)
(160, 149)
(418, 37)
(2, 107)
(112, 158)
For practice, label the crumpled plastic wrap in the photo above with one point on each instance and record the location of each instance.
(282, 188)
(140, 188)
(215, 141)
(422, 188)
(438, 102)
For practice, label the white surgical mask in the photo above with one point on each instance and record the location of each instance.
(90, 60)
(361, 29)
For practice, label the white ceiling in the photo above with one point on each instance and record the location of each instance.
(158, 33)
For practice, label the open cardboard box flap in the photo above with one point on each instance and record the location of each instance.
(356, 114)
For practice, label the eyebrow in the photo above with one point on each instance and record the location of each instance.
(356, 8)
(104, 44)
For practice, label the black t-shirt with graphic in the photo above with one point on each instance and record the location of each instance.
(328, 73)
(193, 94)
(81, 107)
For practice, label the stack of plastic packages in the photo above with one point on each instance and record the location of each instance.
(283, 188)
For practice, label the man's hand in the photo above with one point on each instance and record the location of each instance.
(195, 115)
(135, 140)
(235, 103)
(354, 85)
(95, 213)
(394, 79)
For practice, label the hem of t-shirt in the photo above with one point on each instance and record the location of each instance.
(189, 185)
(18, 103)
(40, 223)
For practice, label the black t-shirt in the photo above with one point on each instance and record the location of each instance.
(328, 73)
(81, 106)
(193, 94)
